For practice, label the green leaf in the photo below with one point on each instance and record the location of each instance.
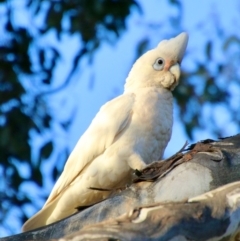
(37, 176)
(142, 46)
(209, 49)
(46, 150)
(230, 40)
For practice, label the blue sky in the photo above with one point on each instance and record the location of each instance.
(93, 85)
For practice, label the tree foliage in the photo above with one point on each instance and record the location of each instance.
(28, 64)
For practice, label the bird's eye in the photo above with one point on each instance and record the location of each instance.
(159, 64)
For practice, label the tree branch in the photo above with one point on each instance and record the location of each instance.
(166, 201)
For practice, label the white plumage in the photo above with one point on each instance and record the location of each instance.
(128, 132)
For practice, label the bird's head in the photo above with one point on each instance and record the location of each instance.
(159, 67)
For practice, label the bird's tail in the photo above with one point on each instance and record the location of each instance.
(40, 218)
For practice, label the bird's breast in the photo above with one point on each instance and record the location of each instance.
(152, 122)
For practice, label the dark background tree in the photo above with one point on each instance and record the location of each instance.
(27, 70)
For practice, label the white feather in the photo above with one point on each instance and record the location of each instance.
(129, 132)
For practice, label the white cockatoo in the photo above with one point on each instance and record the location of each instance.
(127, 133)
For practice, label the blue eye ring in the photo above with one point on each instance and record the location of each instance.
(159, 64)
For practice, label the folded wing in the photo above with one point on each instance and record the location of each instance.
(112, 119)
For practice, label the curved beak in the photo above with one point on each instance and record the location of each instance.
(175, 70)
